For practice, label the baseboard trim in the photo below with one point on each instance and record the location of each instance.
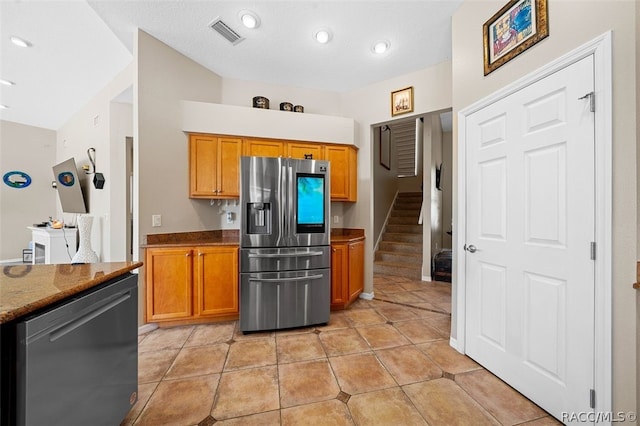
(366, 296)
(454, 344)
(146, 328)
(17, 261)
(426, 278)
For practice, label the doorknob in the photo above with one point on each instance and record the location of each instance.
(470, 248)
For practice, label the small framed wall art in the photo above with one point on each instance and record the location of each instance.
(402, 101)
(513, 29)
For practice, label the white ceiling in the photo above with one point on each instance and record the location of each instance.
(79, 46)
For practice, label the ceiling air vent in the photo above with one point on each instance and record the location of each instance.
(225, 31)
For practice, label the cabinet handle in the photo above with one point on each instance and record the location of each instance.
(188, 254)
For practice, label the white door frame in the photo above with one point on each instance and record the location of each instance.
(600, 48)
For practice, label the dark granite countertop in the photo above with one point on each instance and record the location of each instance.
(27, 288)
(231, 237)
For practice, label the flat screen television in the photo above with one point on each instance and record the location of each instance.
(69, 188)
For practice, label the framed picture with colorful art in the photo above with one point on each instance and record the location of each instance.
(513, 29)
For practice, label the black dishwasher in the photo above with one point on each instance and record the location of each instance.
(77, 364)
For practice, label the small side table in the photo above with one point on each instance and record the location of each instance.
(53, 245)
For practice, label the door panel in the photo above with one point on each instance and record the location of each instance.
(530, 216)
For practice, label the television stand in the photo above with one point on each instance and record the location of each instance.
(53, 245)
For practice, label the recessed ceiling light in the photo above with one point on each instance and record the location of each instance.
(7, 82)
(20, 41)
(381, 46)
(323, 35)
(249, 19)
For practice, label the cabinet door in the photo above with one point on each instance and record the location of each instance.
(203, 153)
(263, 148)
(228, 166)
(168, 278)
(339, 276)
(356, 269)
(216, 281)
(300, 150)
(343, 162)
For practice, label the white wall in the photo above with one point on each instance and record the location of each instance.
(567, 31)
(385, 183)
(31, 150)
(98, 125)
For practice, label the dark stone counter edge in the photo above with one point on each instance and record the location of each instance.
(230, 237)
(29, 308)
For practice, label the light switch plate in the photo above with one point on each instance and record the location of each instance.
(156, 220)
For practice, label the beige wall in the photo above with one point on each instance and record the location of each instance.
(98, 125)
(447, 189)
(164, 77)
(571, 25)
(385, 183)
(637, 73)
(31, 150)
(369, 106)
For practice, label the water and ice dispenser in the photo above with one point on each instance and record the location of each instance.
(258, 218)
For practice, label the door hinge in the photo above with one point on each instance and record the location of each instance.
(592, 398)
(593, 250)
(592, 100)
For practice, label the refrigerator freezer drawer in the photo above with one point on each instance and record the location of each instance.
(277, 300)
(284, 259)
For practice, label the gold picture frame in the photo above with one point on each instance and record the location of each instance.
(402, 101)
(513, 29)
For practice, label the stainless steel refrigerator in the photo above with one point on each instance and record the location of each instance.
(285, 257)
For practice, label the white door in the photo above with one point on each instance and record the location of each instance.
(530, 225)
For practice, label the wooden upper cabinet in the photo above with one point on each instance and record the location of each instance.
(214, 163)
(303, 150)
(228, 167)
(264, 148)
(344, 179)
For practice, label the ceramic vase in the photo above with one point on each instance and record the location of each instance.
(85, 253)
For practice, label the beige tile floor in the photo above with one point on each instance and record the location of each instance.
(380, 362)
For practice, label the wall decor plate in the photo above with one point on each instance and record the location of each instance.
(286, 106)
(66, 178)
(16, 179)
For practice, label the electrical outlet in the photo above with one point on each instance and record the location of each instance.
(336, 219)
(156, 220)
(229, 217)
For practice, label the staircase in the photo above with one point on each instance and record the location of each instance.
(400, 249)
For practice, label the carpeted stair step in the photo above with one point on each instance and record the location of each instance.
(400, 247)
(404, 229)
(402, 237)
(403, 270)
(407, 205)
(403, 220)
(405, 213)
(398, 257)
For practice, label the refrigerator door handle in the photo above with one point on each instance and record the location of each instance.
(272, 255)
(282, 280)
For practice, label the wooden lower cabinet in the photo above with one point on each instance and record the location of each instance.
(216, 281)
(347, 273)
(191, 284)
